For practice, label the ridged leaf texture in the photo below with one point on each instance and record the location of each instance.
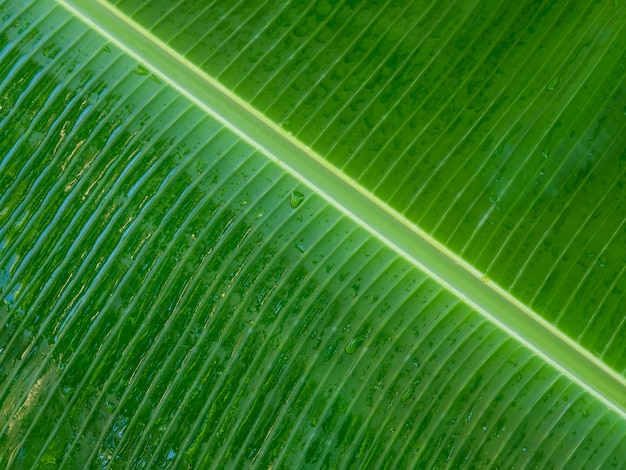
(312, 234)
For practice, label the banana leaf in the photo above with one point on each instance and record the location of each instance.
(312, 234)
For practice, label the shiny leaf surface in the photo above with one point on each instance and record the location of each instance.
(312, 234)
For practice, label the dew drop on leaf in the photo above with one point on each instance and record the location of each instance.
(295, 199)
(409, 392)
(354, 344)
(140, 70)
(553, 83)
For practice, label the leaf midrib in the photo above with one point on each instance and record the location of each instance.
(383, 222)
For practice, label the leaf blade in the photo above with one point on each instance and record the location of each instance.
(255, 250)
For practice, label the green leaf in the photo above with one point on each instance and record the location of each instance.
(312, 234)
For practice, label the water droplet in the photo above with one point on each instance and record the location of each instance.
(602, 261)
(155, 79)
(544, 153)
(554, 83)
(140, 70)
(354, 344)
(300, 247)
(295, 199)
(356, 287)
(407, 394)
